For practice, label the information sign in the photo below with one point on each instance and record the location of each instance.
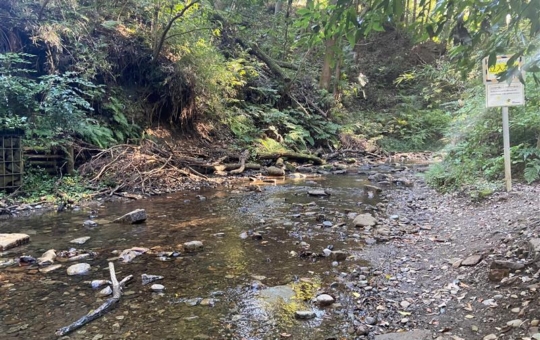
(502, 94)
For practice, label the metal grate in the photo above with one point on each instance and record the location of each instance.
(11, 165)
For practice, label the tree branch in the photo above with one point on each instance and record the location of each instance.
(45, 3)
(159, 46)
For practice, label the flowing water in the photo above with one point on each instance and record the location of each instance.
(236, 288)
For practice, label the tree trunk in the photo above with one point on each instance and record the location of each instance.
(326, 73)
(337, 77)
(278, 6)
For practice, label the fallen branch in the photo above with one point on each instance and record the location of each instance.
(293, 155)
(101, 310)
(229, 167)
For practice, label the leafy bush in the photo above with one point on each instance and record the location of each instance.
(38, 185)
(54, 107)
(475, 151)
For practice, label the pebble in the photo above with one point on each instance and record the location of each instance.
(405, 304)
(490, 337)
(304, 314)
(80, 240)
(156, 287)
(371, 320)
(515, 323)
(193, 246)
(105, 292)
(90, 224)
(78, 269)
(207, 302)
(325, 300)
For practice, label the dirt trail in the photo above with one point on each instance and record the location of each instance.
(425, 275)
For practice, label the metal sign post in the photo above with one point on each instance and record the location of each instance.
(503, 94)
(506, 144)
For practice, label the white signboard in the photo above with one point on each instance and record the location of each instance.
(503, 94)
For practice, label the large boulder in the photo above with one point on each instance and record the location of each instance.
(8, 241)
(136, 216)
(364, 220)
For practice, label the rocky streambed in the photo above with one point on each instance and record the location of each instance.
(361, 254)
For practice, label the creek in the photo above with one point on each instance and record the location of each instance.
(236, 288)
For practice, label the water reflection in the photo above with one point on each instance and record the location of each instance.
(34, 304)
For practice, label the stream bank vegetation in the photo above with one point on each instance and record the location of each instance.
(303, 79)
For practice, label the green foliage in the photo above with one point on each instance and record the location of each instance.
(475, 151)
(121, 129)
(54, 107)
(486, 28)
(17, 90)
(526, 160)
(39, 186)
(293, 129)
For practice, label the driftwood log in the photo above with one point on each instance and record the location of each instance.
(229, 167)
(101, 310)
(293, 155)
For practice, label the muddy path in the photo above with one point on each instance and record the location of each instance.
(270, 256)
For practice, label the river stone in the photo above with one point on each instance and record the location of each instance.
(318, 192)
(80, 240)
(411, 335)
(8, 241)
(47, 258)
(136, 216)
(304, 314)
(156, 287)
(364, 220)
(146, 279)
(90, 224)
(515, 323)
(325, 300)
(193, 246)
(78, 269)
(535, 244)
(49, 268)
(472, 260)
(275, 171)
(105, 292)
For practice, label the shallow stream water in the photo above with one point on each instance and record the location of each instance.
(236, 288)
